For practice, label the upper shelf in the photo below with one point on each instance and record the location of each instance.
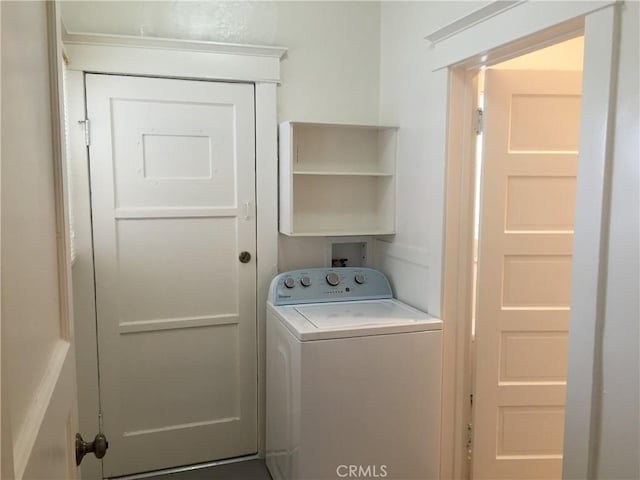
(319, 148)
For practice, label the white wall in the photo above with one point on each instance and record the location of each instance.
(620, 409)
(331, 71)
(414, 98)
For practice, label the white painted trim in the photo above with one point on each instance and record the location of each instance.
(457, 272)
(60, 176)
(467, 21)
(590, 246)
(517, 23)
(267, 228)
(82, 275)
(521, 29)
(80, 38)
(172, 63)
(161, 57)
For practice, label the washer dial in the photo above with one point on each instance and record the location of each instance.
(289, 282)
(360, 279)
(333, 279)
(305, 281)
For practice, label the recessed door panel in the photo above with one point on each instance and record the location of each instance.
(536, 281)
(154, 365)
(544, 122)
(544, 203)
(158, 163)
(530, 431)
(169, 268)
(533, 356)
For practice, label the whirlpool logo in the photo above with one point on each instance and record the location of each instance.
(361, 471)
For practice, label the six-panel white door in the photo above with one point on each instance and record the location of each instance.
(524, 272)
(173, 199)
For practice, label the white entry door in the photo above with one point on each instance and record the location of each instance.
(173, 201)
(524, 272)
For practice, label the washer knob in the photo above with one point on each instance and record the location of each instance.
(333, 279)
(359, 278)
(305, 281)
(289, 282)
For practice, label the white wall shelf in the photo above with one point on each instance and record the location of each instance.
(337, 179)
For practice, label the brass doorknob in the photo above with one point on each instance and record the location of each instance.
(99, 447)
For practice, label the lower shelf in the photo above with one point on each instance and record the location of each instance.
(334, 206)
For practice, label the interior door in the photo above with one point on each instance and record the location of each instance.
(524, 272)
(38, 399)
(173, 202)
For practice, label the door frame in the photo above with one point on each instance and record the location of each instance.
(177, 59)
(466, 45)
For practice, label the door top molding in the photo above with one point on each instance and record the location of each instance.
(477, 38)
(467, 21)
(168, 57)
(80, 38)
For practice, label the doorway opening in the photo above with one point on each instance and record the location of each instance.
(526, 124)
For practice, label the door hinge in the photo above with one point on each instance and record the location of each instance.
(479, 121)
(469, 436)
(87, 131)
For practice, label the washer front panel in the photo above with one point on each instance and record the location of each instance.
(319, 285)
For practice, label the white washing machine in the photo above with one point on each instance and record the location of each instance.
(353, 379)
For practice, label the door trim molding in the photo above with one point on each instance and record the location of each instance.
(513, 32)
(172, 58)
(78, 38)
(161, 58)
(469, 20)
(590, 247)
(524, 22)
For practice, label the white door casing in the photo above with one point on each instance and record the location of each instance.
(524, 272)
(173, 199)
(39, 409)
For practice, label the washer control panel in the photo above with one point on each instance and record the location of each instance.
(317, 285)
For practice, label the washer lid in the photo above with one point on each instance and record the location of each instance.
(323, 321)
(358, 314)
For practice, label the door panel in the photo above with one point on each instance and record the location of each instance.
(38, 394)
(173, 192)
(524, 272)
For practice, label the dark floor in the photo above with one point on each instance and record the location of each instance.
(246, 470)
